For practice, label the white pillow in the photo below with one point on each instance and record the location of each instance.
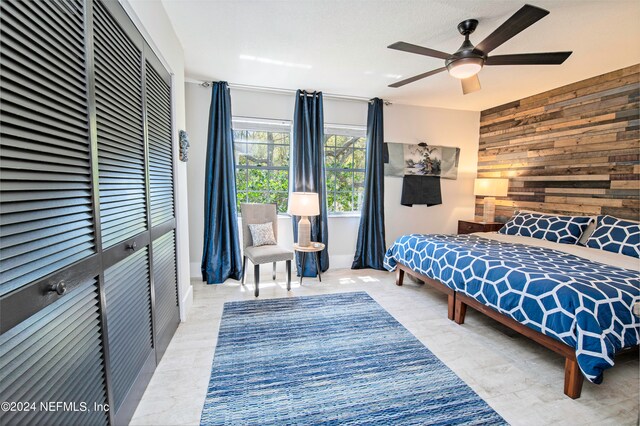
(262, 234)
(588, 232)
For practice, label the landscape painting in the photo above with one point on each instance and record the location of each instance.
(422, 160)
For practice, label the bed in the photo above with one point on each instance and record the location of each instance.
(574, 300)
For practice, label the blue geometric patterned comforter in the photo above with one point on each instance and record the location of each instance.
(585, 304)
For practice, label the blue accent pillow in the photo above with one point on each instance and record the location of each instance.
(560, 229)
(617, 236)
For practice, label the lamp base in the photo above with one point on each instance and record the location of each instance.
(304, 232)
(489, 214)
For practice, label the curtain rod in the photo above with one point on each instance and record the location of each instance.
(288, 91)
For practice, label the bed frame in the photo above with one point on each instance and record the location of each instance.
(457, 309)
(573, 378)
(451, 294)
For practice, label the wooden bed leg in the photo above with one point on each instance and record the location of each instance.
(451, 305)
(399, 276)
(573, 379)
(461, 311)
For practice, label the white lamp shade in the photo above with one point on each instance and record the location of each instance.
(304, 204)
(491, 187)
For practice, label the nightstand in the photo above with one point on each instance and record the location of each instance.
(470, 226)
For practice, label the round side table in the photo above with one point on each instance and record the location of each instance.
(313, 247)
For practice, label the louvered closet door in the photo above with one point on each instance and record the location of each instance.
(158, 107)
(119, 93)
(51, 346)
(167, 314)
(45, 199)
(128, 300)
(56, 355)
(118, 82)
(88, 283)
(161, 199)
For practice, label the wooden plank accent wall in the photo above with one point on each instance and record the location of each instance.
(571, 150)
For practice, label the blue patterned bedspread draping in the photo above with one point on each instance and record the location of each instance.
(585, 304)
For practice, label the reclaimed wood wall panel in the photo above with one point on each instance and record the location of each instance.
(571, 150)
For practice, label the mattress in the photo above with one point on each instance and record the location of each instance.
(577, 295)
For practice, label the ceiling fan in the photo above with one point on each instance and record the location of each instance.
(468, 60)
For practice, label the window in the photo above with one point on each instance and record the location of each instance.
(262, 161)
(344, 151)
(262, 149)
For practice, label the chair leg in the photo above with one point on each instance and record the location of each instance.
(274, 271)
(244, 269)
(256, 279)
(288, 275)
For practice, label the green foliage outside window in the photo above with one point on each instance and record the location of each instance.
(262, 169)
(344, 162)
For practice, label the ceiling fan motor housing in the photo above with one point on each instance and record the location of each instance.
(467, 50)
(466, 58)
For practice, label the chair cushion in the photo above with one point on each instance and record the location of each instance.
(262, 234)
(267, 254)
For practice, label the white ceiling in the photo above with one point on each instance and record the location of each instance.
(339, 46)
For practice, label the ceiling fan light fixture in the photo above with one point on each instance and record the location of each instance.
(465, 67)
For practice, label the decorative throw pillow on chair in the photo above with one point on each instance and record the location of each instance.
(262, 234)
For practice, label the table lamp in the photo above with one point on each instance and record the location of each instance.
(304, 204)
(490, 188)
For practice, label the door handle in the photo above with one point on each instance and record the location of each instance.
(60, 288)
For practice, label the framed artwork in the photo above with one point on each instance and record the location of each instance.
(420, 159)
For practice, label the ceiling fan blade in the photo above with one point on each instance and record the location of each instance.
(412, 48)
(522, 19)
(417, 77)
(548, 58)
(471, 84)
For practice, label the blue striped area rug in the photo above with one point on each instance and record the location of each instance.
(332, 359)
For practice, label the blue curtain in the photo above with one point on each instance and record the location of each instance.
(221, 252)
(307, 171)
(370, 247)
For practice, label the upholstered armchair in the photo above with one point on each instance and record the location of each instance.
(258, 214)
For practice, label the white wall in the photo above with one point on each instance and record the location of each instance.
(152, 20)
(436, 126)
(404, 124)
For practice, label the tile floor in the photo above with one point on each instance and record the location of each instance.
(520, 379)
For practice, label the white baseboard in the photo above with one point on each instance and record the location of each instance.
(340, 261)
(186, 303)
